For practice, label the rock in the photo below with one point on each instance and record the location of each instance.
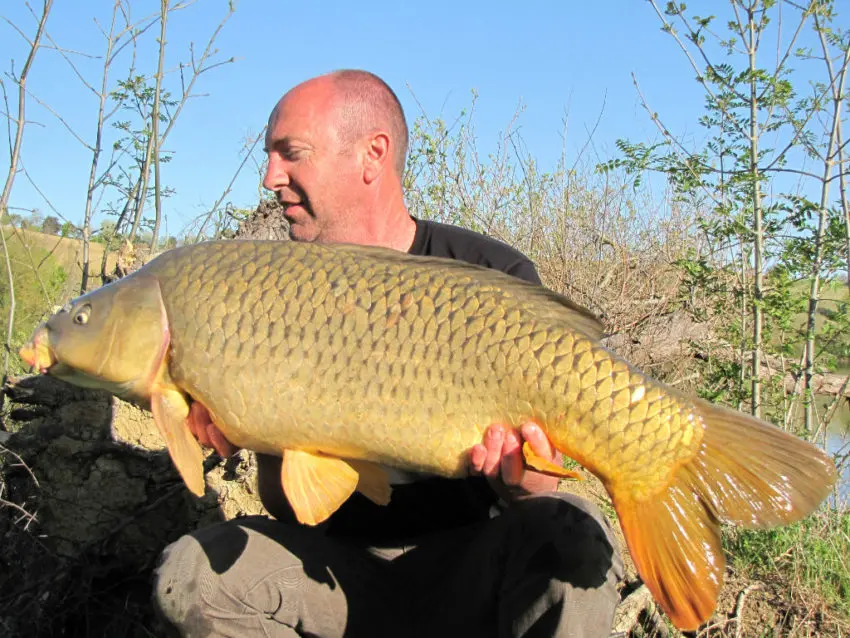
(105, 500)
(267, 222)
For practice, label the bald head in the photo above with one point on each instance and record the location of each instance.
(337, 146)
(366, 105)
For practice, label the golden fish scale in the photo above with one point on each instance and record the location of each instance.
(301, 346)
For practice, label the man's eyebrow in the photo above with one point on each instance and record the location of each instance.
(283, 142)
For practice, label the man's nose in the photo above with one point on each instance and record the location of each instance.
(276, 176)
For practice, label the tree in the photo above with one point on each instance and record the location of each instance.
(69, 230)
(763, 129)
(51, 225)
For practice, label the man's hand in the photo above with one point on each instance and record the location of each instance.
(208, 435)
(499, 458)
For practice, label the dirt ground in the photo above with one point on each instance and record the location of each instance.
(105, 500)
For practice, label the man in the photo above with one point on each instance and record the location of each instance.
(438, 560)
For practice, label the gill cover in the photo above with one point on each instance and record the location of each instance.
(114, 338)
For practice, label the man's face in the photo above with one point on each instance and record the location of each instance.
(313, 176)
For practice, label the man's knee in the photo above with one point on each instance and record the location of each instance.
(563, 568)
(180, 580)
(208, 574)
(567, 537)
(248, 577)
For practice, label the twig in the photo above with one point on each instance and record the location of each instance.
(157, 185)
(658, 624)
(10, 179)
(25, 514)
(21, 120)
(230, 185)
(10, 319)
(155, 144)
(20, 463)
(739, 606)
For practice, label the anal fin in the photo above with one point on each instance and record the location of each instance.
(539, 464)
(316, 485)
(374, 483)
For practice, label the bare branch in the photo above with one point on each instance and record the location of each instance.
(592, 132)
(21, 119)
(61, 119)
(41, 193)
(8, 117)
(678, 147)
(155, 128)
(198, 70)
(20, 32)
(669, 29)
(215, 206)
(111, 41)
(10, 318)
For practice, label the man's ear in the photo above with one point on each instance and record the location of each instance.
(376, 157)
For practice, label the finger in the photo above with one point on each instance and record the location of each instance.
(512, 465)
(197, 422)
(537, 439)
(224, 447)
(493, 440)
(477, 456)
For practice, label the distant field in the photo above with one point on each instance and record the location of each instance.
(832, 295)
(67, 252)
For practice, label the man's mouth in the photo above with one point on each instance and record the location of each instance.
(291, 210)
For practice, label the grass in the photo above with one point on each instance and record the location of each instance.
(811, 557)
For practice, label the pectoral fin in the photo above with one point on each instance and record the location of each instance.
(170, 410)
(316, 485)
(539, 464)
(374, 482)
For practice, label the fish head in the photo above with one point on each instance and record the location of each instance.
(114, 338)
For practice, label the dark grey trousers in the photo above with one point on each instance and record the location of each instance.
(548, 566)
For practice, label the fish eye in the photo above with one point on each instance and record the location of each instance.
(81, 316)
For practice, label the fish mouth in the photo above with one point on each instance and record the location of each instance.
(37, 353)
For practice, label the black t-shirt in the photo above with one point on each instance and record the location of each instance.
(434, 503)
(441, 240)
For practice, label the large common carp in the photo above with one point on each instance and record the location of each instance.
(343, 359)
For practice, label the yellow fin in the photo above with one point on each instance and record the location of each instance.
(374, 482)
(746, 472)
(675, 544)
(539, 464)
(755, 474)
(170, 410)
(316, 485)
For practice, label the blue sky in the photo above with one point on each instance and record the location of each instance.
(559, 59)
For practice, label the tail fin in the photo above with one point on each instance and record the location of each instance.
(746, 472)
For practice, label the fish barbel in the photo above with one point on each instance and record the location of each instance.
(343, 359)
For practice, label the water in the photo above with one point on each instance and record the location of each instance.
(838, 441)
